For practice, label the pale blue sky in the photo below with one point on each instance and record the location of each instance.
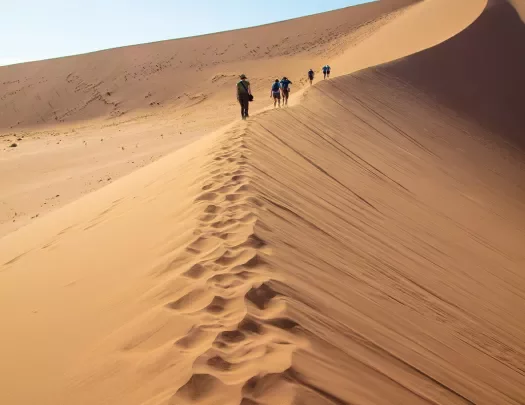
(41, 29)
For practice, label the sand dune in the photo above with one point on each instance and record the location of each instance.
(82, 122)
(361, 247)
(171, 74)
(61, 155)
(418, 299)
(57, 162)
(491, 69)
(404, 34)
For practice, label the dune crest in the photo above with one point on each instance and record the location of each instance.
(402, 36)
(364, 246)
(229, 338)
(81, 122)
(153, 78)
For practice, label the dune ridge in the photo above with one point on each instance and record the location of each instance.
(81, 122)
(354, 248)
(457, 350)
(57, 162)
(271, 316)
(169, 75)
(235, 342)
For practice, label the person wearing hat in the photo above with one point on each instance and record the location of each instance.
(244, 95)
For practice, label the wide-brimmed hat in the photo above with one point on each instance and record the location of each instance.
(243, 76)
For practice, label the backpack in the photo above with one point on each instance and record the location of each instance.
(250, 96)
(275, 87)
(285, 84)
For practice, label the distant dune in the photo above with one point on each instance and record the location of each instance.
(170, 74)
(363, 246)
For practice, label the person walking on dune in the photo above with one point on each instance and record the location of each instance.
(285, 88)
(276, 93)
(326, 71)
(311, 76)
(244, 95)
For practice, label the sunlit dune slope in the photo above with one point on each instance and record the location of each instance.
(398, 231)
(364, 246)
(421, 26)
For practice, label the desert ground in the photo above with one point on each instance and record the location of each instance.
(363, 245)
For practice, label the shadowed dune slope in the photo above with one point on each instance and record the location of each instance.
(399, 229)
(478, 73)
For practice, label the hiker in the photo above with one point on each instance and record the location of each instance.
(276, 93)
(326, 71)
(244, 95)
(311, 76)
(285, 88)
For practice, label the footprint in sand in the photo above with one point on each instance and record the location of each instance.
(207, 197)
(193, 301)
(197, 271)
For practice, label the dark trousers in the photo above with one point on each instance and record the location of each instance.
(244, 101)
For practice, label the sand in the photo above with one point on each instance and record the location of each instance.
(363, 246)
(108, 113)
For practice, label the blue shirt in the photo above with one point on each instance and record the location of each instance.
(275, 87)
(285, 83)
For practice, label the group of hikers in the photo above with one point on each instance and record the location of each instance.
(326, 73)
(280, 89)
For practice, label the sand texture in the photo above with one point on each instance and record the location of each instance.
(362, 246)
